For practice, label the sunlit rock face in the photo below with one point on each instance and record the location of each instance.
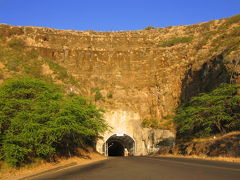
(140, 75)
(127, 126)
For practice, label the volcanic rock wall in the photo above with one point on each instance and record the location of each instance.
(140, 74)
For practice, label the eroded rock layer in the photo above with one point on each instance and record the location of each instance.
(147, 73)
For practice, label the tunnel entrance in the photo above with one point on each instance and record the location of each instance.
(115, 149)
(119, 145)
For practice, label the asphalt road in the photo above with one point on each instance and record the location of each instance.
(148, 168)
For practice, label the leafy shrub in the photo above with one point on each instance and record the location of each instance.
(37, 121)
(210, 113)
(163, 123)
(110, 95)
(59, 70)
(177, 40)
(150, 123)
(15, 154)
(82, 121)
(98, 96)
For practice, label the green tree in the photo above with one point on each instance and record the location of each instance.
(80, 123)
(209, 113)
(26, 107)
(37, 120)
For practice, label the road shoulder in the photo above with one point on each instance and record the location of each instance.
(27, 173)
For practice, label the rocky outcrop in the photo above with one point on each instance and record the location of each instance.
(147, 72)
(227, 146)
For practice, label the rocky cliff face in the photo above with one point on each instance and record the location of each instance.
(225, 146)
(148, 72)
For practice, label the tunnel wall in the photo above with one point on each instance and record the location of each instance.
(129, 123)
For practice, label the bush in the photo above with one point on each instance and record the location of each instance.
(177, 40)
(110, 95)
(98, 95)
(36, 120)
(210, 113)
(14, 154)
(151, 123)
(59, 70)
(81, 121)
(149, 28)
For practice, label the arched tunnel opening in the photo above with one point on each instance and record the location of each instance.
(119, 145)
(115, 149)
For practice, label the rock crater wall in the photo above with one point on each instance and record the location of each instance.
(141, 75)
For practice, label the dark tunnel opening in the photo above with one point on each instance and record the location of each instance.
(119, 145)
(115, 149)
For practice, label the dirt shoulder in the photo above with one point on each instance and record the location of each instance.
(220, 148)
(41, 167)
(225, 159)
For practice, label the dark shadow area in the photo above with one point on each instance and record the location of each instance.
(115, 149)
(119, 145)
(167, 142)
(201, 78)
(209, 76)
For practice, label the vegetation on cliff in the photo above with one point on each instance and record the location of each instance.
(17, 59)
(38, 121)
(210, 113)
(144, 71)
(177, 40)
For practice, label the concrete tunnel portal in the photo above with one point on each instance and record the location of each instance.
(119, 144)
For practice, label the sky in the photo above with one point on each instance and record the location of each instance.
(113, 15)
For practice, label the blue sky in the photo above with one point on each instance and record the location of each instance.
(113, 15)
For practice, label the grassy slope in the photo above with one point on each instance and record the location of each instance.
(18, 60)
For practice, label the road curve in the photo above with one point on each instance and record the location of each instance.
(148, 168)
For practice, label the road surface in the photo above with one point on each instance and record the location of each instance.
(148, 168)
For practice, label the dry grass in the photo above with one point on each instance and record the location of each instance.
(216, 137)
(226, 159)
(8, 173)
